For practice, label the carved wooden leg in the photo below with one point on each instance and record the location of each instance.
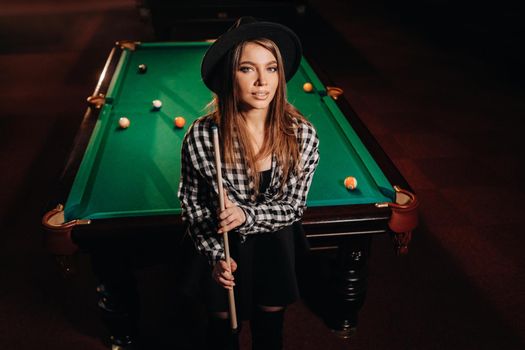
(349, 281)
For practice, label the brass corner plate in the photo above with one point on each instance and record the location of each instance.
(334, 91)
(96, 101)
(128, 44)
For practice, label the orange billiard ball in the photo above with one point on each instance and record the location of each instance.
(351, 183)
(179, 122)
(308, 87)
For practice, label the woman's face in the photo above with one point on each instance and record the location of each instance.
(256, 77)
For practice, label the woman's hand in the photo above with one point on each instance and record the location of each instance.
(223, 274)
(231, 217)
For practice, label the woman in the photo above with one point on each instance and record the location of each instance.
(270, 153)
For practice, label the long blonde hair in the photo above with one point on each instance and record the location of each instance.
(279, 137)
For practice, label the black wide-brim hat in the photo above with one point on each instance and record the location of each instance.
(248, 28)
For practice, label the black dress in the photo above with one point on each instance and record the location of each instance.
(266, 269)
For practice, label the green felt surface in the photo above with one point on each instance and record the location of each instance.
(135, 171)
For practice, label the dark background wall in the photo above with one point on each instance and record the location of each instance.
(489, 30)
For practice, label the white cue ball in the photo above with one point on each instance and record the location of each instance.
(157, 103)
(123, 122)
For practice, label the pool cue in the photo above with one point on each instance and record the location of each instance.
(218, 166)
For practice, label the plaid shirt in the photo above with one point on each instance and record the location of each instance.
(198, 190)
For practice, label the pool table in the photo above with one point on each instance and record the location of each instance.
(122, 182)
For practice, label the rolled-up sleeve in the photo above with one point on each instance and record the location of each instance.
(198, 208)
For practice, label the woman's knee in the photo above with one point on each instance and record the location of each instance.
(219, 315)
(267, 308)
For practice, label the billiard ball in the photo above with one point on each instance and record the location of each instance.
(179, 122)
(351, 183)
(123, 123)
(157, 104)
(308, 87)
(142, 68)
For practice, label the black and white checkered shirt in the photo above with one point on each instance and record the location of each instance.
(198, 190)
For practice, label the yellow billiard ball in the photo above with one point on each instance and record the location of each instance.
(351, 183)
(308, 87)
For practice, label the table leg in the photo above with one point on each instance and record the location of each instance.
(118, 299)
(349, 282)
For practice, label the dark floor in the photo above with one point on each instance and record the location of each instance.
(441, 88)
